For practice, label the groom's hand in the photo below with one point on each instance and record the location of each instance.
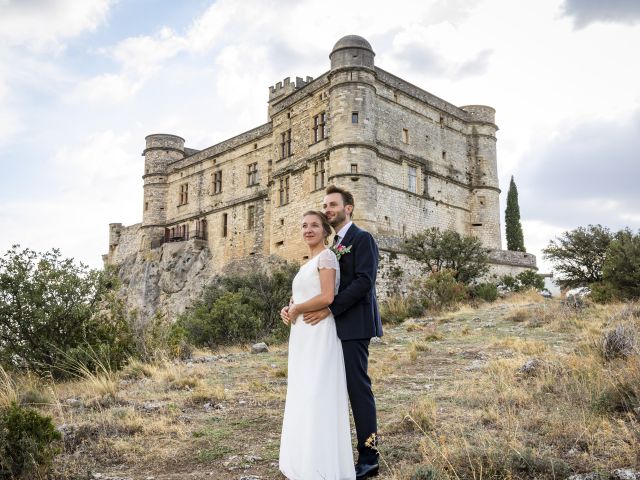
(313, 318)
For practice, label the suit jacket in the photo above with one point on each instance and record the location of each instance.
(355, 308)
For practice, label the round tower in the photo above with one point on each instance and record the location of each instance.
(352, 117)
(160, 151)
(485, 193)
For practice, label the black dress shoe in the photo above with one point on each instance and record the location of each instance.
(366, 470)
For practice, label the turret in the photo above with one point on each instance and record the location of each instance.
(484, 199)
(352, 51)
(160, 151)
(352, 116)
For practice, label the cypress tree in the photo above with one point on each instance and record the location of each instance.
(515, 238)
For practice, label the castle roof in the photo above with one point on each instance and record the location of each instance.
(352, 41)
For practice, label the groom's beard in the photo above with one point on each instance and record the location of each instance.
(339, 219)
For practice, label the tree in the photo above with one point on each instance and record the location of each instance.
(438, 250)
(622, 264)
(579, 255)
(53, 311)
(515, 238)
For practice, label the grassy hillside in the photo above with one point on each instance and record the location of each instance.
(521, 388)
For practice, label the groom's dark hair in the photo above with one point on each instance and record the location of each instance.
(347, 197)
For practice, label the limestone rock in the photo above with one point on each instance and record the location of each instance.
(259, 348)
(625, 474)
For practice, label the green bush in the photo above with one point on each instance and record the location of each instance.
(463, 255)
(622, 265)
(525, 280)
(485, 291)
(161, 337)
(52, 310)
(229, 320)
(440, 290)
(603, 292)
(240, 308)
(28, 443)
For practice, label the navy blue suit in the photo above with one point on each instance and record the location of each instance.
(355, 309)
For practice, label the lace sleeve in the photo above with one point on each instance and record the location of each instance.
(328, 259)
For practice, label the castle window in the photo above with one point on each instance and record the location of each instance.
(201, 229)
(354, 117)
(412, 179)
(444, 154)
(251, 217)
(146, 206)
(225, 218)
(405, 135)
(184, 194)
(482, 200)
(354, 168)
(319, 130)
(318, 175)
(252, 174)
(217, 182)
(285, 144)
(284, 190)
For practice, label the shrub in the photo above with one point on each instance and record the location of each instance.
(229, 320)
(52, 309)
(28, 443)
(240, 308)
(603, 292)
(162, 338)
(579, 255)
(620, 342)
(398, 308)
(527, 279)
(485, 291)
(622, 264)
(427, 472)
(440, 290)
(463, 256)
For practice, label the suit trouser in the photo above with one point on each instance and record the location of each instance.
(363, 404)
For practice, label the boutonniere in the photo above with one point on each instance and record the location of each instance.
(341, 250)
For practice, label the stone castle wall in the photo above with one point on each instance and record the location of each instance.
(400, 130)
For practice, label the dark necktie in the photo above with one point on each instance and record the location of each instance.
(336, 240)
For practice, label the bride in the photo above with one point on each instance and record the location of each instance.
(316, 437)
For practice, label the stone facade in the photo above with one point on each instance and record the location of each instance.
(411, 159)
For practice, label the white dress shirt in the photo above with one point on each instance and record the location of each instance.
(343, 232)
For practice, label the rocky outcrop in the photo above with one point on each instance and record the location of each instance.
(165, 280)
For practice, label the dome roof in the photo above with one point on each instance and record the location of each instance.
(352, 41)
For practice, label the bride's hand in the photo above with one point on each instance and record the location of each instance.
(284, 314)
(293, 313)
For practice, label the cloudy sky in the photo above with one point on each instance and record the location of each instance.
(82, 84)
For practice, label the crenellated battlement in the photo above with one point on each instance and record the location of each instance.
(286, 87)
(480, 113)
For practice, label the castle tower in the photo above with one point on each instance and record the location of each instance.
(160, 151)
(484, 198)
(353, 152)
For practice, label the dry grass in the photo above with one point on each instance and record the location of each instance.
(574, 412)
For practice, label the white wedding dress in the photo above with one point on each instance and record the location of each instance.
(316, 437)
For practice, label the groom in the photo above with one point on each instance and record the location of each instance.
(355, 310)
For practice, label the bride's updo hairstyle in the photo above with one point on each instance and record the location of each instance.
(326, 226)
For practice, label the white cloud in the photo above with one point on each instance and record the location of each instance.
(44, 24)
(97, 182)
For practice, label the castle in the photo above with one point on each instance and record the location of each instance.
(411, 159)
